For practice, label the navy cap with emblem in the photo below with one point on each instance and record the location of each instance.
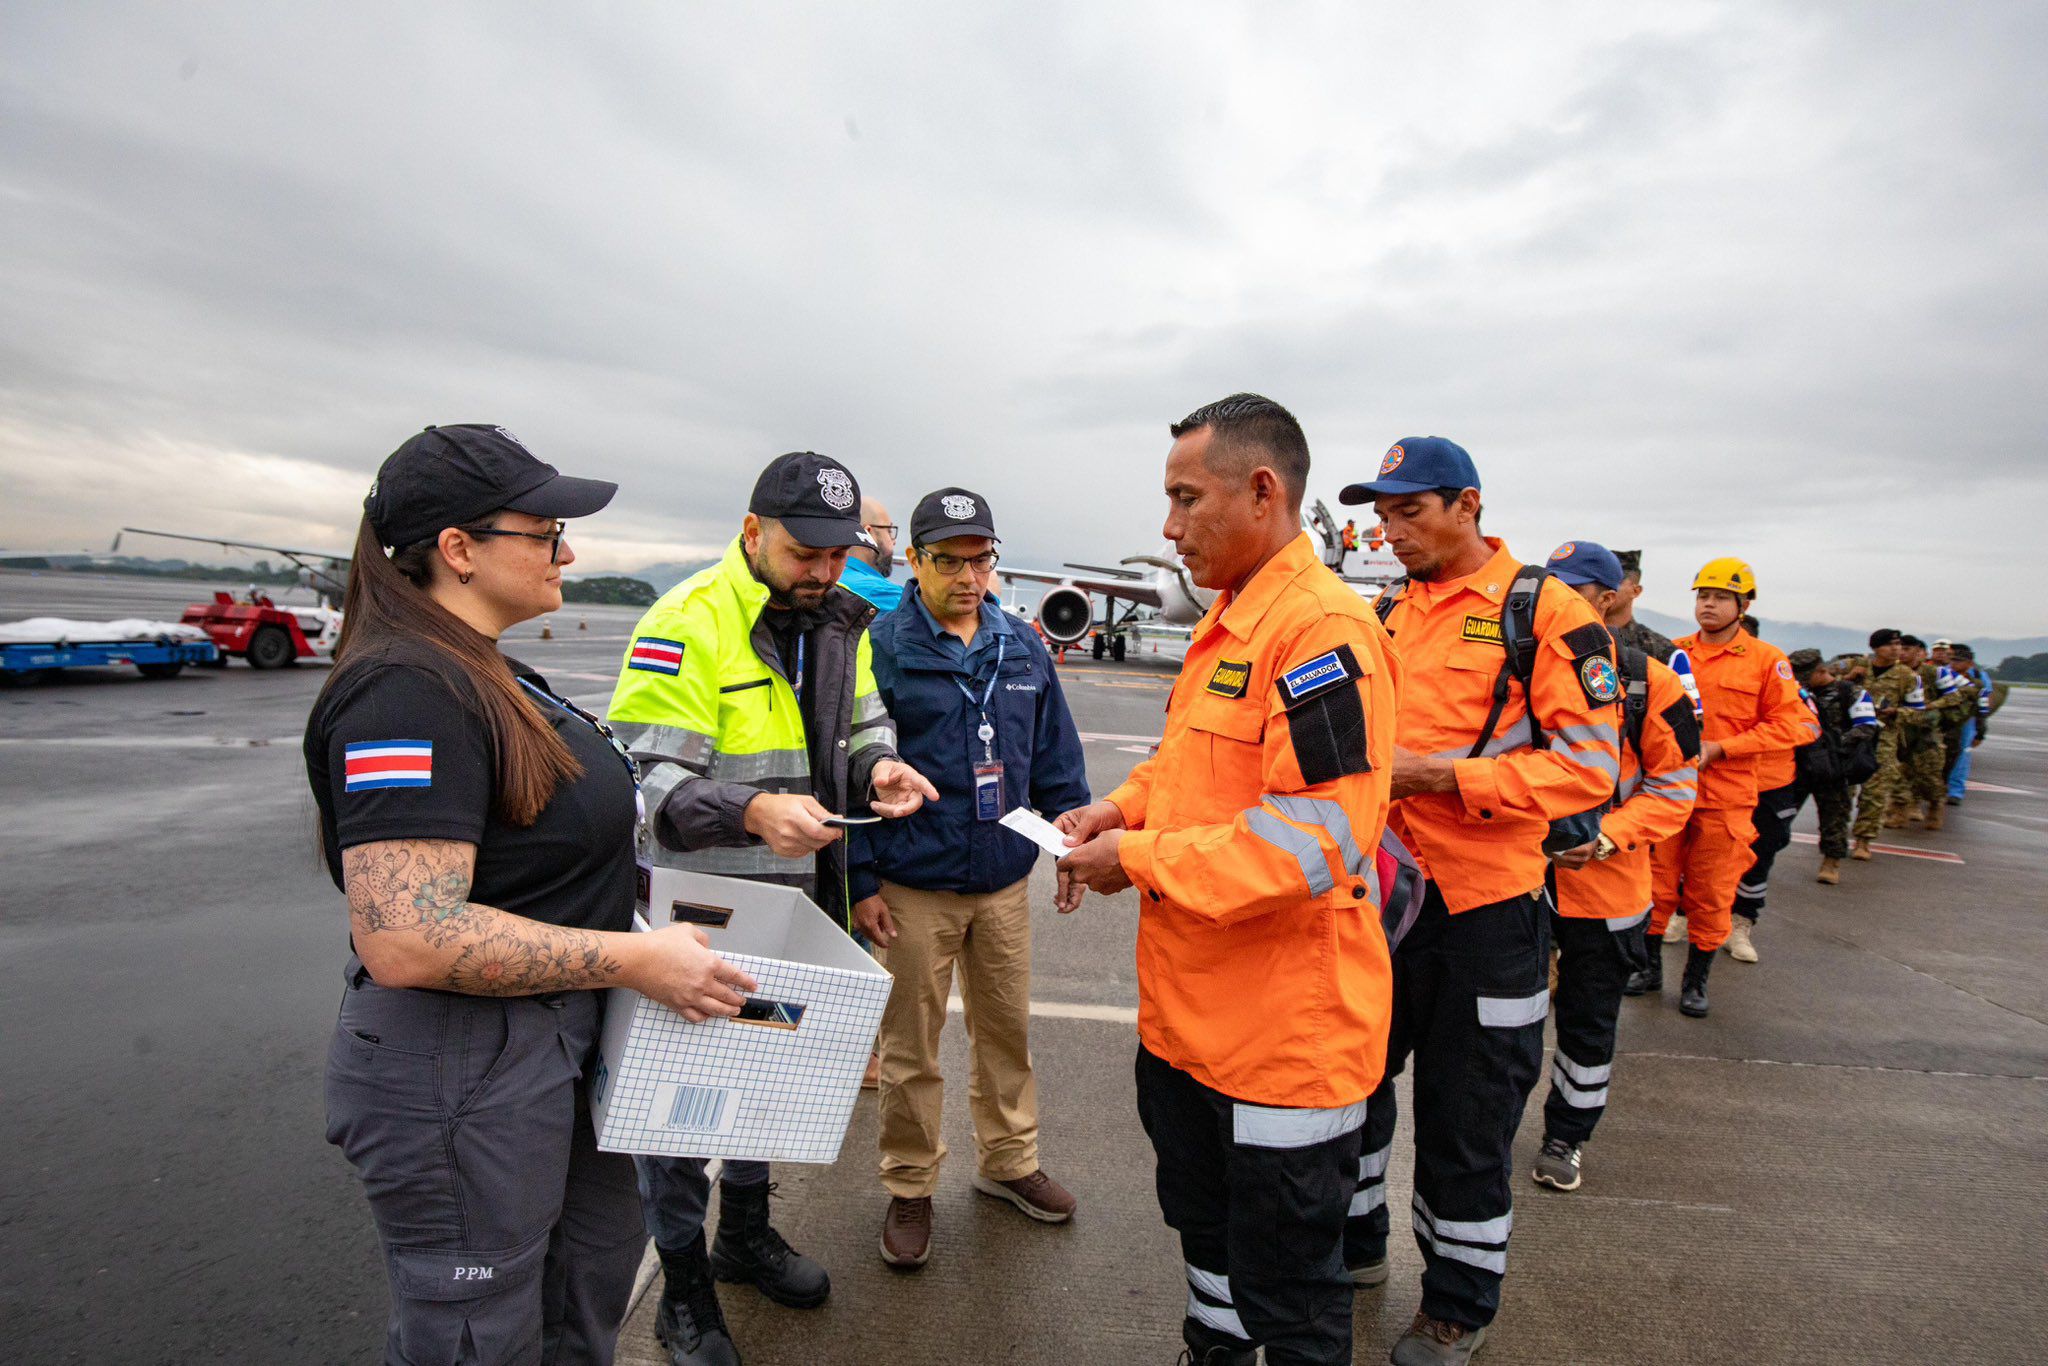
(814, 496)
(452, 475)
(1581, 562)
(1416, 464)
(946, 513)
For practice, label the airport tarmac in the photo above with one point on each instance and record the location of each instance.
(1845, 1162)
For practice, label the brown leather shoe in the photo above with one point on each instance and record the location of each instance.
(907, 1232)
(1830, 871)
(1860, 851)
(1038, 1195)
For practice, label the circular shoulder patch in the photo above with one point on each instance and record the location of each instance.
(1598, 678)
(1784, 668)
(1395, 455)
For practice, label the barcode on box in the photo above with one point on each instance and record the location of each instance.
(694, 1109)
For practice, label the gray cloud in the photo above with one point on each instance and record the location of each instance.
(1758, 278)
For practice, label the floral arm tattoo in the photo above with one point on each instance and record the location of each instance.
(422, 887)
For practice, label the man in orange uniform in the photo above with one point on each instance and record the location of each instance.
(1507, 725)
(1778, 799)
(1602, 888)
(1753, 707)
(1263, 981)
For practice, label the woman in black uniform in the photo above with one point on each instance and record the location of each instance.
(482, 828)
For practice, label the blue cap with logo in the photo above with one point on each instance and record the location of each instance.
(1416, 464)
(1581, 562)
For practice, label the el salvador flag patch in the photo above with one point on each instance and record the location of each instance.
(374, 764)
(652, 654)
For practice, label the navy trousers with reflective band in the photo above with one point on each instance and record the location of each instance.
(1257, 1194)
(507, 1236)
(1594, 959)
(1470, 994)
(1773, 817)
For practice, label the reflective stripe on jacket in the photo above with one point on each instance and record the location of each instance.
(703, 702)
(1262, 968)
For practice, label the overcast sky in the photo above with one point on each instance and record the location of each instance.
(1708, 278)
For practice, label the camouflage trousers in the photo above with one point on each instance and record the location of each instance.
(1832, 802)
(1881, 788)
(1923, 759)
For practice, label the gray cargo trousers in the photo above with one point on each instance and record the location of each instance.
(507, 1236)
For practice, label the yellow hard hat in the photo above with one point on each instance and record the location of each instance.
(1727, 573)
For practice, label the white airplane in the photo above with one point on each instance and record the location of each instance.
(1067, 614)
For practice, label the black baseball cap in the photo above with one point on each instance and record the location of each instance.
(946, 513)
(452, 475)
(813, 495)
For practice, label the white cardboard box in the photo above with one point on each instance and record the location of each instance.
(778, 1083)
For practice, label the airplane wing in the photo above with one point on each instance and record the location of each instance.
(231, 545)
(1140, 591)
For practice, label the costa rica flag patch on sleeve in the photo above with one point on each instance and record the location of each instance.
(372, 764)
(652, 654)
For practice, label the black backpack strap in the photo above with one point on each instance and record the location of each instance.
(1391, 594)
(1635, 709)
(1518, 642)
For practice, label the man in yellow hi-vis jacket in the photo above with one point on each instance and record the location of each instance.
(748, 699)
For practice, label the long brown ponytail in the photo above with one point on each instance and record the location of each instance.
(387, 601)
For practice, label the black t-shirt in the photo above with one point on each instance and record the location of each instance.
(393, 753)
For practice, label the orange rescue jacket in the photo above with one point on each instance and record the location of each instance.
(1655, 798)
(1483, 843)
(1753, 707)
(1262, 968)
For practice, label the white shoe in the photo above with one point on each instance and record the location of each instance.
(1738, 943)
(1674, 933)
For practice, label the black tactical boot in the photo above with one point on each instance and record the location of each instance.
(1692, 995)
(1650, 976)
(749, 1249)
(690, 1323)
(1206, 1347)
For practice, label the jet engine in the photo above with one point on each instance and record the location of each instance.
(1065, 614)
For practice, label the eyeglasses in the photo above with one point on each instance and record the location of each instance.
(553, 538)
(889, 527)
(953, 564)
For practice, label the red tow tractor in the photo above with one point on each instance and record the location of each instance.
(261, 632)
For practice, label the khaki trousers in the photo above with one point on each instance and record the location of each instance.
(989, 935)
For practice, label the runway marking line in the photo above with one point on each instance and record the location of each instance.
(1974, 786)
(1111, 738)
(1895, 850)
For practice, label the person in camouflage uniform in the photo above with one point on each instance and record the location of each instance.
(1958, 711)
(1830, 768)
(1622, 623)
(1888, 681)
(1919, 799)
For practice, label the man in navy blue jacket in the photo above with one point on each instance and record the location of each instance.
(979, 711)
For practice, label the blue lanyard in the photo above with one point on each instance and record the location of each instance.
(989, 731)
(797, 684)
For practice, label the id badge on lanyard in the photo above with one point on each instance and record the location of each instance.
(988, 774)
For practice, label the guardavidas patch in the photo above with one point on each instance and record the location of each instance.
(1231, 678)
